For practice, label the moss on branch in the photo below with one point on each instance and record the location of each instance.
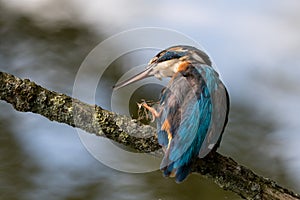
(26, 96)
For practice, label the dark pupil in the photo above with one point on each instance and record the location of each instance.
(170, 55)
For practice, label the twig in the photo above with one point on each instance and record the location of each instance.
(26, 96)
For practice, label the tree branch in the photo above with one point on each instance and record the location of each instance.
(26, 96)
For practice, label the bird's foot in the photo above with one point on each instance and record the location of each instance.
(154, 113)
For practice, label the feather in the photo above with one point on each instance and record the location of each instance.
(186, 105)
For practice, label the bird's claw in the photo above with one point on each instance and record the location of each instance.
(154, 113)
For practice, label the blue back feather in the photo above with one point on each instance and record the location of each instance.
(186, 104)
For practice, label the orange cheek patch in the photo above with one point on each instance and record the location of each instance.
(183, 66)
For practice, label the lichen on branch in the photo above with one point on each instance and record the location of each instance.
(26, 96)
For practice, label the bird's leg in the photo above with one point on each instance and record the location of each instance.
(154, 113)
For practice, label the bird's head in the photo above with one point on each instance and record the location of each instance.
(168, 62)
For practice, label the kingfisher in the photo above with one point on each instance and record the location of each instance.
(193, 107)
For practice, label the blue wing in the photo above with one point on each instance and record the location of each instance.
(220, 106)
(185, 121)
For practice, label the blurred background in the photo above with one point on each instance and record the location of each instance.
(256, 46)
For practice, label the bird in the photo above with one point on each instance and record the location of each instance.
(193, 107)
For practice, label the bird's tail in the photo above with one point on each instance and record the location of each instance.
(180, 173)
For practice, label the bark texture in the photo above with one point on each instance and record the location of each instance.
(26, 96)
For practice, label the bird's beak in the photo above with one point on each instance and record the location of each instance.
(144, 74)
